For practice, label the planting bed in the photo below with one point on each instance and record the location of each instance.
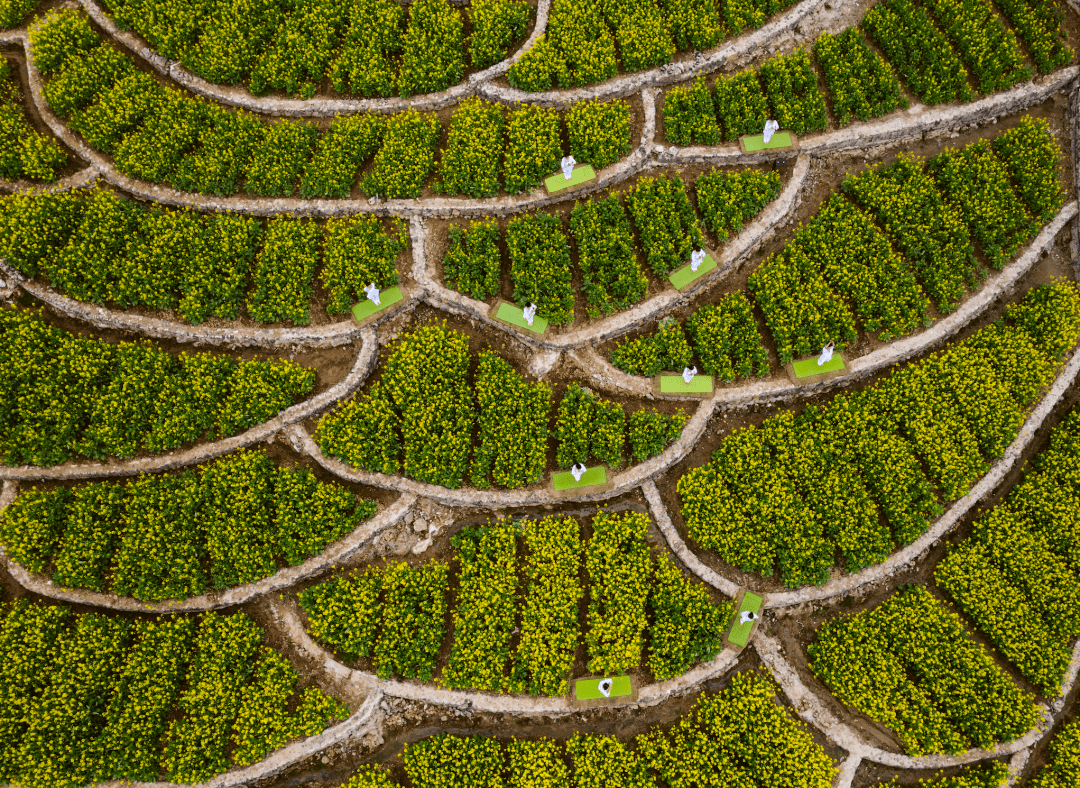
(256, 528)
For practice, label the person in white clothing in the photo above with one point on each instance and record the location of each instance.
(568, 163)
(747, 617)
(697, 257)
(826, 354)
(688, 374)
(373, 293)
(771, 127)
(529, 312)
(578, 470)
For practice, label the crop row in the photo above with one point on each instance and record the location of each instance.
(851, 480)
(92, 698)
(910, 664)
(630, 593)
(367, 48)
(1016, 576)
(588, 42)
(161, 135)
(239, 517)
(609, 256)
(98, 247)
(419, 419)
(24, 152)
(707, 744)
(64, 395)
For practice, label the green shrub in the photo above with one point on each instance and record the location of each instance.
(473, 262)
(470, 160)
(599, 132)
(534, 147)
(358, 251)
(406, 157)
(727, 200)
(496, 25)
(689, 115)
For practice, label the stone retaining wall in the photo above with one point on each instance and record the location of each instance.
(365, 361)
(337, 552)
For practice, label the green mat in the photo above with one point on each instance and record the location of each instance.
(582, 173)
(681, 277)
(565, 479)
(809, 366)
(514, 315)
(367, 307)
(674, 384)
(589, 689)
(780, 139)
(740, 633)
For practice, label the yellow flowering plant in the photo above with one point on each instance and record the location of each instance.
(910, 664)
(711, 739)
(540, 265)
(620, 579)
(473, 261)
(485, 611)
(549, 615)
(513, 425)
(278, 161)
(989, 49)
(1038, 23)
(612, 278)
(649, 354)
(740, 104)
(690, 116)
(919, 51)
(862, 84)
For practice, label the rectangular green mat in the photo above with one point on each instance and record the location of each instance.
(514, 315)
(780, 139)
(681, 277)
(582, 173)
(367, 307)
(589, 689)
(740, 633)
(809, 366)
(565, 480)
(674, 384)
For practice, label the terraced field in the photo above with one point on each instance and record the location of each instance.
(466, 394)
